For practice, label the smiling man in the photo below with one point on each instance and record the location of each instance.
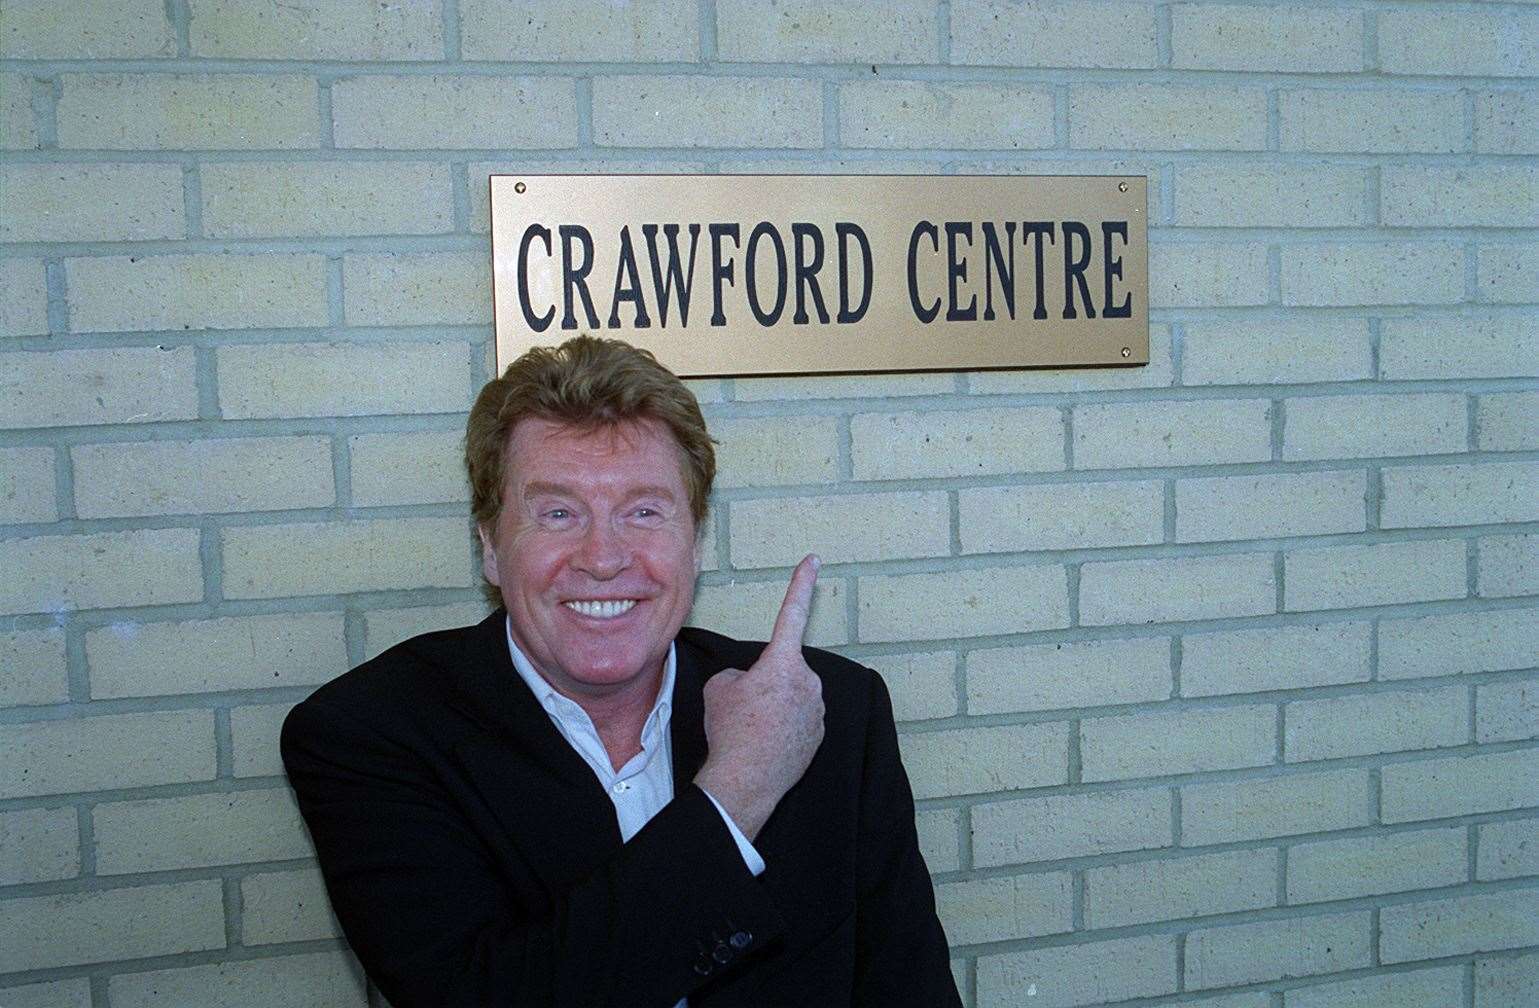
(578, 802)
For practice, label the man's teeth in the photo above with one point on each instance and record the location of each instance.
(606, 609)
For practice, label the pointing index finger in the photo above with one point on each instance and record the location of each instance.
(791, 623)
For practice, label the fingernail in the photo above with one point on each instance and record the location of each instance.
(816, 563)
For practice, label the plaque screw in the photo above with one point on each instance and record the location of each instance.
(519, 187)
(1121, 187)
(1127, 351)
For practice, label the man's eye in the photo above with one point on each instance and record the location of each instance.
(557, 514)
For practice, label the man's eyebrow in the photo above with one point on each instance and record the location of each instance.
(562, 490)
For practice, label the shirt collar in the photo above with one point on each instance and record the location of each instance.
(558, 706)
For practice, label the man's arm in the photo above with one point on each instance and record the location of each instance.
(433, 917)
(901, 955)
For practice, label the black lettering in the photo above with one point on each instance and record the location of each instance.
(923, 314)
(1112, 268)
(575, 277)
(994, 257)
(807, 272)
(956, 270)
(628, 285)
(539, 323)
(663, 281)
(1042, 229)
(1074, 269)
(720, 270)
(749, 273)
(846, 230)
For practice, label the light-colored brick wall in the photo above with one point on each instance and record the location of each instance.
(1216, 678)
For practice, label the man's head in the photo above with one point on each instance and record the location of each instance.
(590, 469)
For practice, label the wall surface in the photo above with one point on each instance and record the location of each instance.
(1217, 677)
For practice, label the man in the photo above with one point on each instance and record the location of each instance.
(578, 803)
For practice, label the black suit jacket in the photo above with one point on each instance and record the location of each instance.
(473, 858)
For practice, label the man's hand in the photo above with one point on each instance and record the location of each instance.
(764, 725)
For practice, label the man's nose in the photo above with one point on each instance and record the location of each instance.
(603, 552)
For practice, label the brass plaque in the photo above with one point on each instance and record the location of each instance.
(796, 274)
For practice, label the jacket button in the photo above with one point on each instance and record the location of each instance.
(703, 966)
(721, 953)
(741, 940)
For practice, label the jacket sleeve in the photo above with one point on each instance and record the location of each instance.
(901, 955)
(434, 920)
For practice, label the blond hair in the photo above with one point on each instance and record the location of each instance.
(586, 382)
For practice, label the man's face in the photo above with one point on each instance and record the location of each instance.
(595, 552)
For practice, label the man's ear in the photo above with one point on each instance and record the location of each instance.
(488, 556)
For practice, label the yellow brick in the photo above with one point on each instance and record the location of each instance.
(1162, 117)
(977, 760)
(419, 467)
(429, 112)
(1275, 38)
(842, 387)
(51, 574)
(202, 477)
(964, 603)
(76, 928)
(338, 30)
(1155, 374)
(59, 388)
(330, 978)
(1053, 34)
(163, 112)
(39, 845)
(1056, 516)
(271, 561)
(33, 667)
(565, 31)
(204, 656)
(18, 130)
(921, 685)
(385, 628)
(27, 486)
(956, 443)
(254, 732)
(106, 202)
(286, 906)
(59, 994)
(770, 451)
(938, 839)
(707, 112)
(107, 751)
(998, 909)
(24, 309)
(261, 198)
(342, 379)
(202, 291)
(421, 288)
(1205, 432)
(162, 834)
(849, 528)
(85, 29)
(746, 610)
(920, 114)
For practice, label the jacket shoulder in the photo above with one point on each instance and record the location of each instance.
(401, 681)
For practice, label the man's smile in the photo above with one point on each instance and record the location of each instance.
(600, 608)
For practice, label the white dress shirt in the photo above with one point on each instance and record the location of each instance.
(640, 788)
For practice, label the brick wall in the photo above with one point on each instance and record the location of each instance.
(1217, 677)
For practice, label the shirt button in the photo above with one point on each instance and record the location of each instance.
(621, 787)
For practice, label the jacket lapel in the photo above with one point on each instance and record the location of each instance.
(687, 732)
(534, 783)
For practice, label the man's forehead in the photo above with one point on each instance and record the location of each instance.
(539, 448)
